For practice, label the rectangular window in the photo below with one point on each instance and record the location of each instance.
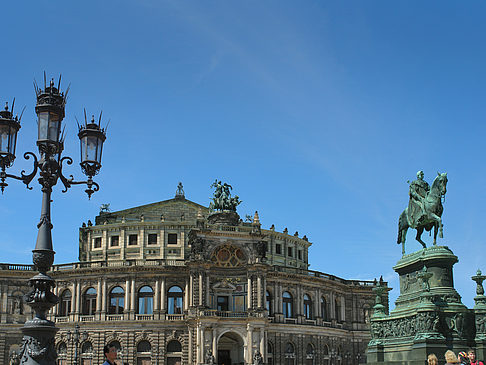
(173, 251)
(289, 251)
(222, 303)
(97, 242)
(152, 239)
(278, 249)
(300, 254)
(114, 241)
(132, 239)
(172, 238)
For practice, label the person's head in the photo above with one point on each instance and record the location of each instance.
(451, 357)
(432, 360)
(420, 175)
(472, 355)
(110, 352)
(463, 357)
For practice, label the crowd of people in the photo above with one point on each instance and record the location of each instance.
(462, 357)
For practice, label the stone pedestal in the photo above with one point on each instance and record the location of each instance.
(429, 316)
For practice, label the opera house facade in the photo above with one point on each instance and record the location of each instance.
(174, 282)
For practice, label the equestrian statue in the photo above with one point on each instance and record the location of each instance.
(424, 209)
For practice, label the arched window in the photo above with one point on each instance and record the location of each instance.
(65, 303)
(269, 353)
(289, 354)
(307, 307)
(144, 346)
(287, 305)
(268, 303)
(324, 309)
(89, 302)
(309, 354)
(61, 354)
(117, 300)
(145, 300)
(174, 346)
(174, 300)
(86, 353)
(325, 355)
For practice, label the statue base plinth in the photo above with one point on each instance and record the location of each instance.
(226, 217)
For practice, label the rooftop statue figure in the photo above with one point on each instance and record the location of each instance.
(222, 199)
(424, 209)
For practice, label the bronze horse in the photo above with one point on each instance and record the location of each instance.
(433, 213)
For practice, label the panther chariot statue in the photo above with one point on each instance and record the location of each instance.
(223, 204)
(424, 209)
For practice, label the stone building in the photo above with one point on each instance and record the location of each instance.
(174, 283)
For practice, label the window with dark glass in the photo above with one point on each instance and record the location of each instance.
(324, 309)
(289, 251)
(145, 300)
(114, 241)
(223, 303)
(132, 239)
(174, 346)
(300, 254)
(174, 300)
(268, 303)
(307, 307)
(172, 238)
(65, 303)
(337, 308)
(309, 355)
(152, 239)
(278, 249)
(97, 242)
(117, 300)
(289, 354)
(86, 353)
(89, 302)
(287, 305)
(269, 353)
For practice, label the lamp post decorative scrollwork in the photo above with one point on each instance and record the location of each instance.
(38, 333)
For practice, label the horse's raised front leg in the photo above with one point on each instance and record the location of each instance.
(420, 230)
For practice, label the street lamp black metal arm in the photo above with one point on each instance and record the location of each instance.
(38, 341)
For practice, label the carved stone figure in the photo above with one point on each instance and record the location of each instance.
(418, 192)
(209, 360)
(261, 249)
(197, 245)
(222, 199)
(257, 358)
(425, 209)
(14, 358)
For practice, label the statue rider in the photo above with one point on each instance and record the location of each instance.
(418, 192)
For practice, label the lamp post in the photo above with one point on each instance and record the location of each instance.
(75, 337)
(38, 333)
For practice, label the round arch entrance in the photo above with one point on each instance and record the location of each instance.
(231, 349)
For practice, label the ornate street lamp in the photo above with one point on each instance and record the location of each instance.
(74, 336)
(38, 341)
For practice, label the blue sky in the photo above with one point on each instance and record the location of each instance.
(316, 112)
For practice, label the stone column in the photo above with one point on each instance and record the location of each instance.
(99, 295)
(191, 289)
(249, 340)
(259, 292)
(133, 304)
(73, 302)
(262, 343)
(207, 290)
(189, 345)
(198, 344)
(186, 296)
(104, 244)
(122, 243)
(78, 301)
(104, 298)
(162, 243)
(249, 294)
(163, 295)
(215, 345)
(200, 289)
(157, 298)
(126, 310)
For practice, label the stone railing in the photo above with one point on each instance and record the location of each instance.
(175, 317)
(87, 318)
(114, 317)
(144, 317)
(223, 314)
(16, 267)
